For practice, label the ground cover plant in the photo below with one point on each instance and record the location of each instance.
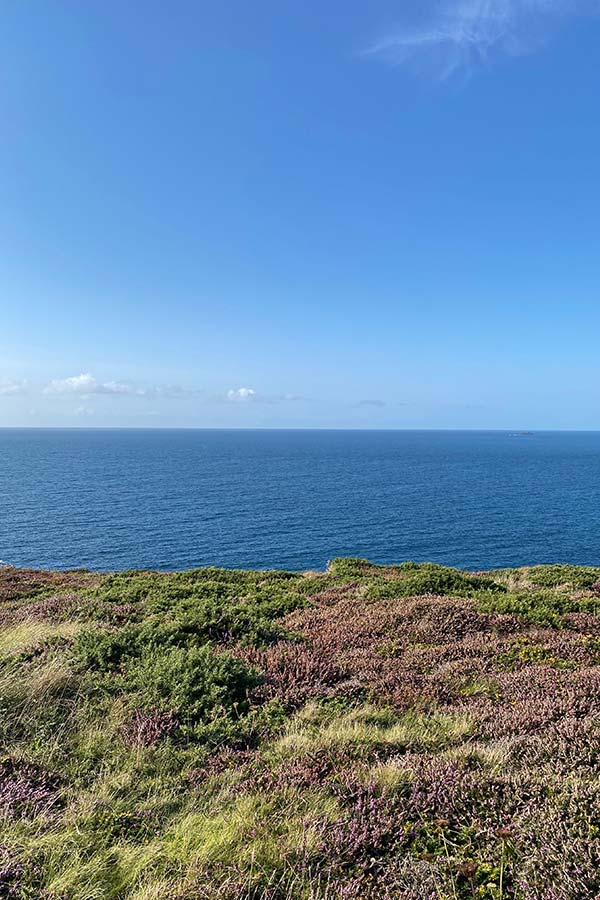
(373, 732)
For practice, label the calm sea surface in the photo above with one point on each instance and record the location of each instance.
(112, 499)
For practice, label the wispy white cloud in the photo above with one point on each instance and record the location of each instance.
(172, 391)
(86, 385)
(461, 35)
(249, 395)
(374, 404)
(9, 387)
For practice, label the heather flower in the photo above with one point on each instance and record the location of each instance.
(25, 789)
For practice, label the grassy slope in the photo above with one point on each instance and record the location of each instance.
(369, 732)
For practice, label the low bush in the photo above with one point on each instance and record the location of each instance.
(196, 683)
(543, 606)
(411, 579)
(567, 576)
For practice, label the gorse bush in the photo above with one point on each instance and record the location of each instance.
(408, 732)
(196, 683)
(207, 604)
(570, 576)
(169, 670)
(542, 606)
(169, 657)
(410, 579)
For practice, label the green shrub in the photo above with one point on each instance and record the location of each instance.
(412, 578)
(196, 683)
(570, 576)
(543, 607)
(201, 605)
(105, 651)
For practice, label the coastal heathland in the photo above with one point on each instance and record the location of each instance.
(409, 731)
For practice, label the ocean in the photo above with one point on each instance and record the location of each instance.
(171, 499)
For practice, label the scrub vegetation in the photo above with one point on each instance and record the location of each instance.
(406, 732)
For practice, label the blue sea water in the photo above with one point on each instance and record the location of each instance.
(172, 499)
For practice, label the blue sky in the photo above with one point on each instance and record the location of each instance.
(300, 214)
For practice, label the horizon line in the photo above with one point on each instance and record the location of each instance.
(520, 431)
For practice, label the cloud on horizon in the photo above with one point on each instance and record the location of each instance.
(9, 387)
(249, 395)
(242, 395)
(462, 35)
(374, 404)
(85, 385)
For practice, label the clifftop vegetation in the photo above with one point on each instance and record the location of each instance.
(410, 732)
